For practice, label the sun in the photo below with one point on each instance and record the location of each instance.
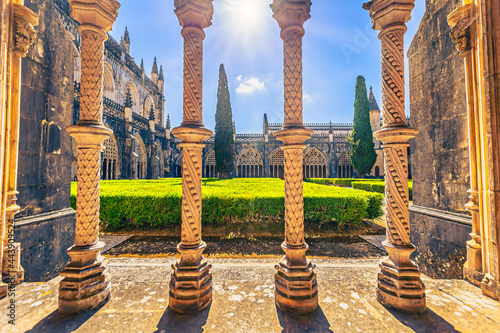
(247, 15)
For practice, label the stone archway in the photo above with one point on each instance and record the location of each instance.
(140, 163)
(249, 164)
(277, 164)
(315, 164)
(178, 165)
(110, 159)
(345, 168)
(210, 165)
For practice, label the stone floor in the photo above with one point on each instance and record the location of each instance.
(243, 301)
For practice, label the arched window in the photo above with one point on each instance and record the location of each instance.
(135, 97)
(178, 166)
(315, 164)
(109, 160)
(108, 82)
(344, 166)
(277, 164)
(147, 107)
(249, 163)
(140, 163)
(210, 165)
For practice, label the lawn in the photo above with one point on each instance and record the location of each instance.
(157, 203)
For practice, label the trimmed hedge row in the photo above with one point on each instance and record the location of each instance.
(378, 186)
(346, 182)
(156, 203)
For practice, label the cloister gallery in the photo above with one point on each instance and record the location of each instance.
(86, 283)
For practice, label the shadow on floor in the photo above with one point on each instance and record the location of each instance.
(56, 322)
(174, 322)
(426, 322)
(314, 322)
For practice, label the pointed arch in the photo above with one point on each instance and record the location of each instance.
(135, 97)
(108, 82)
(315, 164)
(178, 165)
(110, 161)
(210, 165)
(148, 102)
(277, 164)
(345, 168)
(249, 163)
(140, 165)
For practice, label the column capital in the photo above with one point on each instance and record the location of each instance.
(291, 13)
(24, 33)
(194, 13)
(460, 21)
(387, 13)
(97, 15)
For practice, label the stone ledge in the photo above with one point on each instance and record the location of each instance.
(442, 214)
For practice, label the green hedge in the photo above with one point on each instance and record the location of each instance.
(346, 182)
(378, 186)
(156, 203)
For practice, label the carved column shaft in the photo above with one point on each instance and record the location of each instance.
(294, 197)
(292, 50)
(191, 194)
(399, 284)
(193, 76)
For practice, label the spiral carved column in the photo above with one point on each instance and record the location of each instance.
(86, 280)
(398, 284)
(295, 279)
(191, 282)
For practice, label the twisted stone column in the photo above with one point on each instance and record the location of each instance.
(191, 282)
(399, 283)
(86, 284)
(462, 22)
(19, 37)
(295, 279)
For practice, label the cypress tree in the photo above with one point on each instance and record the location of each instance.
(224, 133)
(363, 155)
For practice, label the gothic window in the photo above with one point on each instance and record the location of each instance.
(315, 164)
(345, 168)
(250, 163)
(109, 159)
(210, 165)
(277, 163)
(135, 97)
(108, 82)
(140, 163)
(178, 165)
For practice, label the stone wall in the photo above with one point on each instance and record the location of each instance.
(45, 154)
(439, 153)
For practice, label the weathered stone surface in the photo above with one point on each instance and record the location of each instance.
(440, 150)
(243, 301)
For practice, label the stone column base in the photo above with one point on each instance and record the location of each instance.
(398, 284)
(12, 268)
(86, 284)
(295, 281)
(472, 276)
(3, 290)
(191, 282)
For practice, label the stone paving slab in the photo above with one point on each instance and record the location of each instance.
(243, 301)
(111, 240)
(375, 240)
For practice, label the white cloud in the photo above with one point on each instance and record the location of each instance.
(308, 98)
(239, 77)
(249, 86)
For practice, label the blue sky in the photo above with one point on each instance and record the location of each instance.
(338, 46)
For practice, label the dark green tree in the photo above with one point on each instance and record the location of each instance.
(363, 155)
(224, 131)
